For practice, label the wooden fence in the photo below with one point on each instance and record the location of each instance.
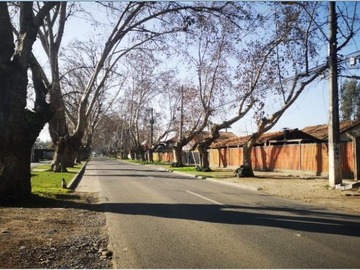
(311, 159)
(306, 158)
(163, 156)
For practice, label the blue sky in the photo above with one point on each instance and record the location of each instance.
(311, 108)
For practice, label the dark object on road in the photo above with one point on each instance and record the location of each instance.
(244, 171)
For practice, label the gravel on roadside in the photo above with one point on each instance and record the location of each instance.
(66, 233)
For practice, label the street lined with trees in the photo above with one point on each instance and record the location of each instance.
(154, 71)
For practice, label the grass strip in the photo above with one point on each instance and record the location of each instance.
(215, 173)
(48, 184)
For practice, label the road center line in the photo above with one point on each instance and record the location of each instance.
(205, 198)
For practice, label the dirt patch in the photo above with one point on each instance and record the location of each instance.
(66, 233)
(313, 191)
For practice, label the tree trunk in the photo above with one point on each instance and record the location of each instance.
(141, 152)
(151, 155)
(19, 127)
(66, 151)
(247, 149)
(15, 184)
(84, 153)
(204, 157)
(15, 152)
(203, 146)
(132, 154)
(178, 155)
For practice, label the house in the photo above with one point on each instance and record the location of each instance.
(190, 153)
(346, 128)
(350, 142)
(287, 136)
(303, 151)
(164, 150)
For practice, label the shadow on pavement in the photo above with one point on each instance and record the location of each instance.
(299, 220)
(306, 220)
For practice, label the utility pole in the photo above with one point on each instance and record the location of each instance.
(334, 127)
(181, 112)
(152, 121)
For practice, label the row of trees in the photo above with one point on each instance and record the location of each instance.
(232, 59)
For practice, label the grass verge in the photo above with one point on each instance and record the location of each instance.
(48, 184)
(215, 173)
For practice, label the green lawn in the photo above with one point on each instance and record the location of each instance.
(49, 184)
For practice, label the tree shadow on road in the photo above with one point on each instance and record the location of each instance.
(299, 220)
(278, 217)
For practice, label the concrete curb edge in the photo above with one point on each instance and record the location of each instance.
(77, 178)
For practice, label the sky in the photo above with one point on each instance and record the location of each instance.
(311, 108)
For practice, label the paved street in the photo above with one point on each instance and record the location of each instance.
(158, 219)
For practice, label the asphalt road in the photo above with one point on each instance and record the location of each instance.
(159, 219)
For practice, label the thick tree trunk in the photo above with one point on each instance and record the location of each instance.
(15, 152)
(66, 151)
(151, 155)
(178, 155)
(204, 157)
(84, 153)
(58, 165)
(132, 154)
(15, 184)
(204, 145)
(19, 127)
(247, 149)
(141, 152)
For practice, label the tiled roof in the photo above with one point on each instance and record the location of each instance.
(223, 135)
(309, 134)
(239, 141)
(321, 131)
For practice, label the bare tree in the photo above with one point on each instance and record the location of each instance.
(140, 24)
(287, 56)
(210, 51)
(19, 125)
(50, 34)
(146, 82)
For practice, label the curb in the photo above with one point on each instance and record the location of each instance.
(76, 180)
